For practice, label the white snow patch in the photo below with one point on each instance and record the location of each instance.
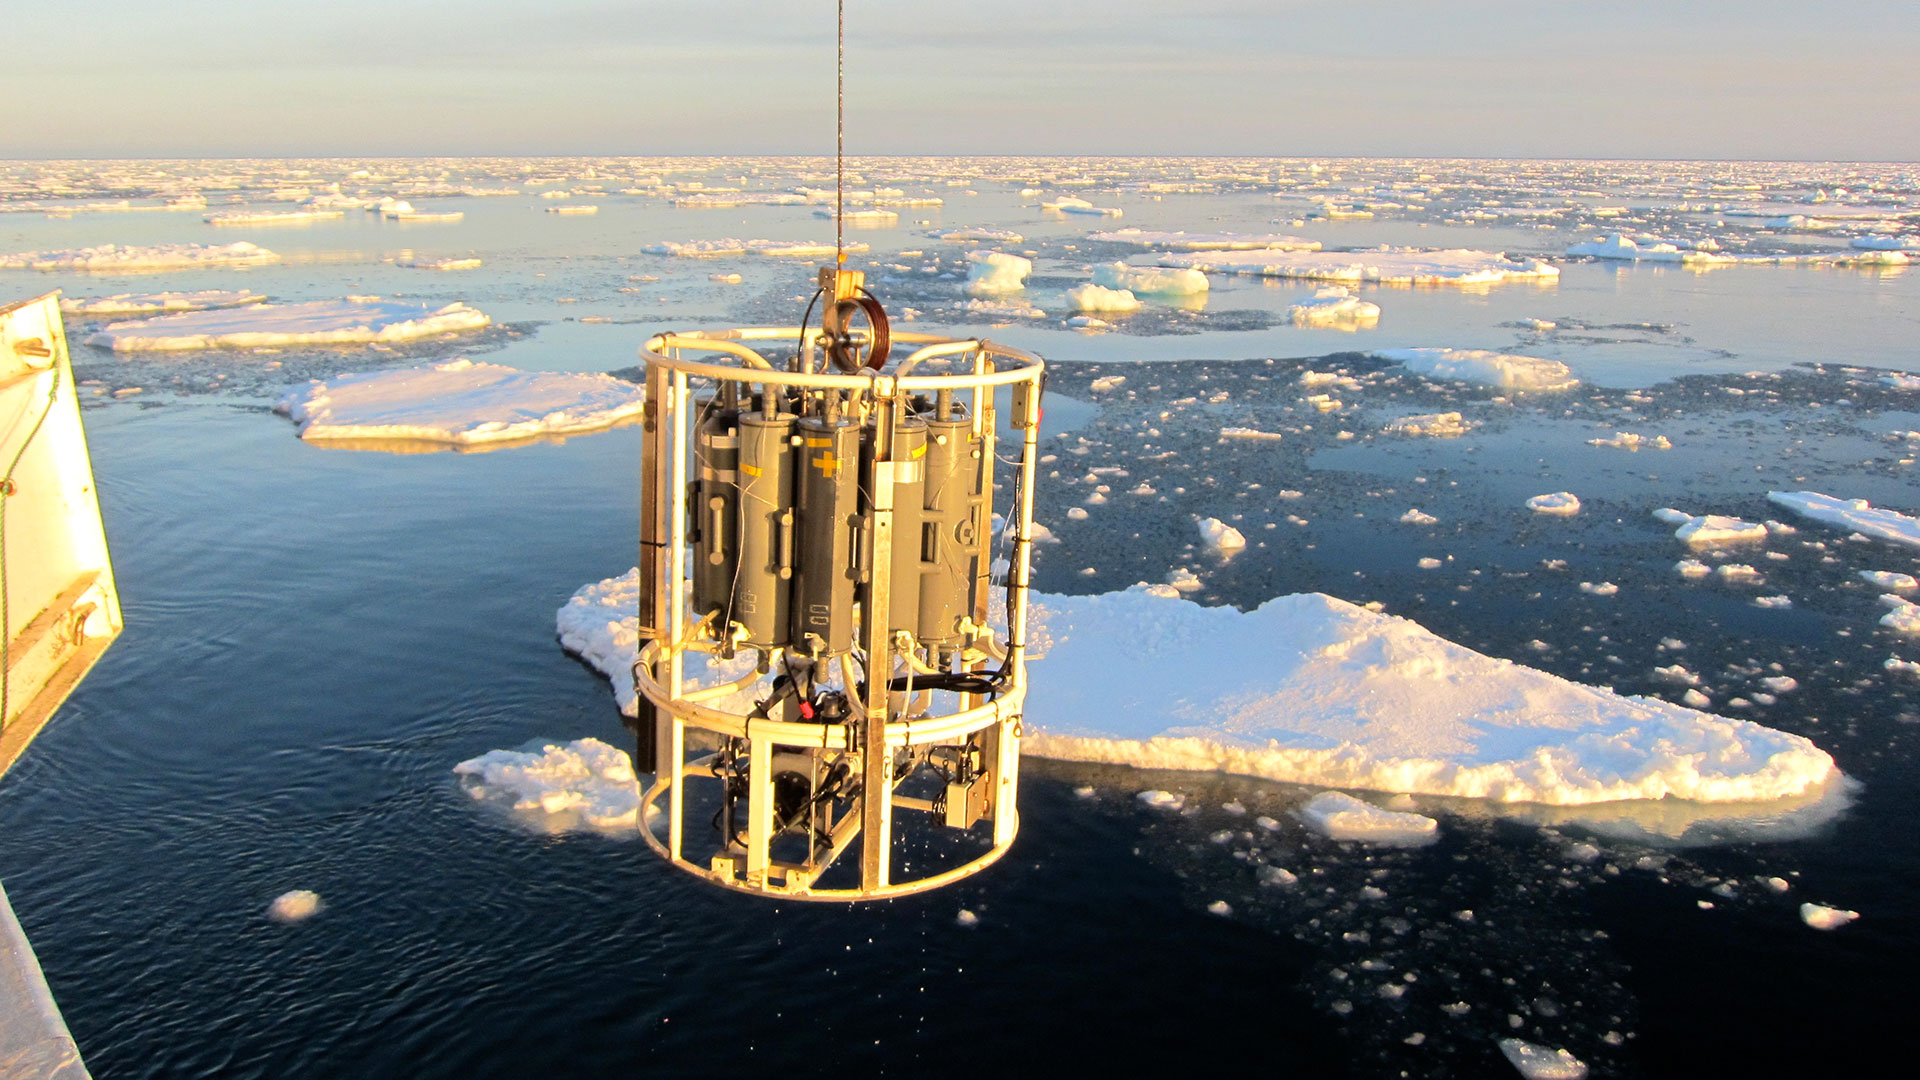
(459, 402)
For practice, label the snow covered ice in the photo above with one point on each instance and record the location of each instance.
(1337, 307)
(157, 302)
(1309, 689)
(1537, 1062)
(1504, 370)
(459, 402)
(992, 272)
(121, 258)
(583, 782)
(295, 905)
(1855, 514)
(316, 322)
(1150, 280)
(1340, 816)
(1396, 266)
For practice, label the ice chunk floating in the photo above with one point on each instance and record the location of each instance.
(460, 402)
(122, 258)
(317, 322)
(1504, 370)
(1313, 690)
(585, 783)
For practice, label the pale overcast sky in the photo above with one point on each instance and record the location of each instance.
(1482, 78)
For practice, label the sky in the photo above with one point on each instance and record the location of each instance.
(1437, 78)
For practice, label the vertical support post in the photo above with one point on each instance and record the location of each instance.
(759, 809)
(876, 823)
(653, 538)
(1020, 520)
(673, 596)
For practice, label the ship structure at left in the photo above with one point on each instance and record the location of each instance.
(59, 611)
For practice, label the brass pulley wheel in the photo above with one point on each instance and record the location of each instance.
(840, 345)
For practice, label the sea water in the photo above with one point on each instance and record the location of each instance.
(315, 636)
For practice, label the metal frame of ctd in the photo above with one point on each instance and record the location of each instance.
(967, 734)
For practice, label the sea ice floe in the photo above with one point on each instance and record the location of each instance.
(1855, 514)
(707, 249)
(1622, 248)
(1416, 516)
(1503, 370)
(1161, 800)
(1904, 617)
(584, 781)
(869, 218)
(990, 273)
(449, 262)
(1312, 690)
(272, 217)
(1561, 503)
(1186, 241)
(295, 905)
(1249, 433)
(1711, 528)
(125, 258)
(1218, 536)
(979, 235)
(317, 322)
(1091, 297)
(157, 302)
(1822, 917)
(1150, 280)
(1878, 242)
(1340, 816)
(1335, 306)
(1627, 440)
(1068, 204)
(1000, 309)
(1887, 579)
(1536, 1062)
(1404, 266)
(1439, 425)
(1309, 689)
(459, 402)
